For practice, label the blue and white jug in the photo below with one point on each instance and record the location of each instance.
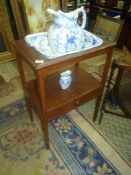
(65, 34)
(65, 79)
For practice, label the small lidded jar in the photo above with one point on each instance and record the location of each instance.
(65, 79)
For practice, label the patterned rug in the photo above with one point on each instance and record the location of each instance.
(75, 149)
(22, 147)
(10, 84)
(115, 129)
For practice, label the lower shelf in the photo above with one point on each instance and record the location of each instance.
(83, 88)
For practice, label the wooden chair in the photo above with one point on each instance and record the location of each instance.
(110, 28)
(121, 90)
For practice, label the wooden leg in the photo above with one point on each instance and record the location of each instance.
(23, 80)
(103, 106)
(98, 102)
(44, 126)
(42, 104)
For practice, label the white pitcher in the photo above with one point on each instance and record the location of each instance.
(65, 34)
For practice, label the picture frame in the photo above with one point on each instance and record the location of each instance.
(6, 36)
(108, 27)
(21, 21)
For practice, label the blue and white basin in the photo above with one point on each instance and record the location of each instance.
(40, 42)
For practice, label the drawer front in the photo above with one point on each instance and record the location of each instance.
(72, 105)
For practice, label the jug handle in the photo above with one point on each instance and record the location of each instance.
(81, 9)
(53, 12)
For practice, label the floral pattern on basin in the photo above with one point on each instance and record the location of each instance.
(40, 42)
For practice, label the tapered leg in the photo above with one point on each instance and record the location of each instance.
(44, 126)
(97, 106)
(23, 80)
(42, 104)
(104, 77)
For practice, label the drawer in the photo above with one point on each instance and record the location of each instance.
(72, 105)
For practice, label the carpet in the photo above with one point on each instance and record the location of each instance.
(75, 149)
(115, 129)
(28, 155)
(10, 91)
(10, 84)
